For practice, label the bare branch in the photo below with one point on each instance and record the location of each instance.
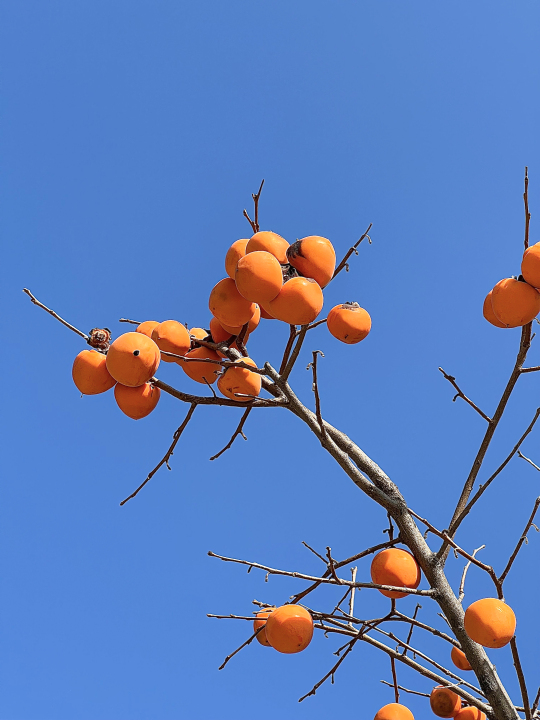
(331, 672)
(238, 431)
(288, 347)
(526, 203)
(394, 677)
(409, 636)
(400, 687)
(294, 355)
(57, 317)
(203, 400)
(528, 460)
(351, 601)
(131, 322)
(536, 701)
(465, 570)
(353, 249)
(522, 539)
(536, 368)
(452, 380)
(256, 198)
(314, 552)
(313, 365)
(521, 678)
(242, 646)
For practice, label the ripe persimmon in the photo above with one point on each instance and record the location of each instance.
(260, 621)
(394, 566)
(349, 323)
(515, 302)
(238, 380)
(444, 702)
(299, 301)
(488, 312)
(266, 315)
(171, 336)
(289, 629)
(228, 305)
(490, 622)
(218, 332)
(394, 711)
(313, 257)
(147, 327)
(530, 265)
(90, 373)
(198, 333)
(253, 323)
(258, 276)
(201, 372)
(234, 253)
(132, 359)
(470, 713)
(269, 242)
(136, 402)
(459, 659)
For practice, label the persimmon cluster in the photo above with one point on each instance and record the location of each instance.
(514, 302)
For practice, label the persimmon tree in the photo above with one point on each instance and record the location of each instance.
(268, 277)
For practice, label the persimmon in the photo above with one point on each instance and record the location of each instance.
(90, 373)
(444, 702)
(147, 327)
(132, 359)
(260, 621)
(515, 302)
(200, 371)
(394, 711)
(171, 336)
(266, 315)
(218, 332)
(470, 713)
(240, 380)
(198, 333)
(488, 312)
(299, 302)
(289, 629)
(136, 402)
(269, 242)
(349, 323)
(228, 305)
(252, 324)
(459, 659)
(258, 276)
(530, 265)
(313, 257)
(394, 566)
(234, 253)
(490, 622)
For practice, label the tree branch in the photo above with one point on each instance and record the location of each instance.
(238, 431)
(522, 539)
(353, 249)
(331, 672)
(57, 317)
(452, 380)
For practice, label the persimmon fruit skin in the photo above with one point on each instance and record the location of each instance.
(90, 373)
(514, 302)
(470, 713)
(314, 257)
(147, 327)
(299, 302)
(444, 702)
(258, 276)
(530, 265)
(488, 313)
(198, 333)
(240, 380)
(252, 324)
(394, 711)
(137, 402)
(289, 629)
(266, 315)
(459, 659)
(234, 253)
(260, 621)
(171, 336)
(394, 566)
(269, 242)
(490, 622)
(199, 371)
(133, 358)
(228, 306)
(349, 323)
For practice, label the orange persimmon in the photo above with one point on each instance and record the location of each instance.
(253, 323)
(515, 302)
(90, 373)
(228, 306)
(266, 315)
(201, 372)
(459, 659)
(289, 629)
(258, 276)
(269, 242)
(147, 327)
(136, 402)
(260, 621)
(530, 265)
(444, 702)
(234, 253)
(313, 257)
(132, 359)
(349, 323)
(198, 333)
(490, 622)
(397, 567)
(394, 711)
(299, 301)
(488, 313)
(171, 336)
(470, 713)
(240, 380)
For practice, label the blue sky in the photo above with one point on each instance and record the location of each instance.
(133, 134)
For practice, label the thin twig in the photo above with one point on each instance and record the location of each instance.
(255, 223)
(394, 678)
(313, 366)
(400, 687)
(452, 380)
(331, 672)
(522, 539)
(536, 368)
(238, 431)
(242, 646)
(409, 636)
(465, 570)
(536, 701)
(521, 678)
(294, 355)
(314, 552)
(332, 565)
(351, 601)
(131, 322)
(526, 203)
(528, 460)
(351, 250)
(165, 459)
(288, 347)
(55, 315)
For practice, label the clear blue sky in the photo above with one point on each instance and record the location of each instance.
(132, 136)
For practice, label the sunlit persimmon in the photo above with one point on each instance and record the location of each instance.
(90, 373)
(394, 711)
(269, 242)
(258, 276)
(133, 358)
(228, 305)
(459, 659)
(172, 337)
(234, 253)
(252, 324)
(490, 622)
(515, 302)
(202, 372)
(349, 323)
(289, 629)
(238, 382)
(530, 265)
(198, 333)
(313, 257)
(299, 302)
(147, 327)
(470, 713)
(262, 616)
(136, 402)
(396, 567)
(218, 332)
(488, 312)
(266, 315)
(444, 702)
